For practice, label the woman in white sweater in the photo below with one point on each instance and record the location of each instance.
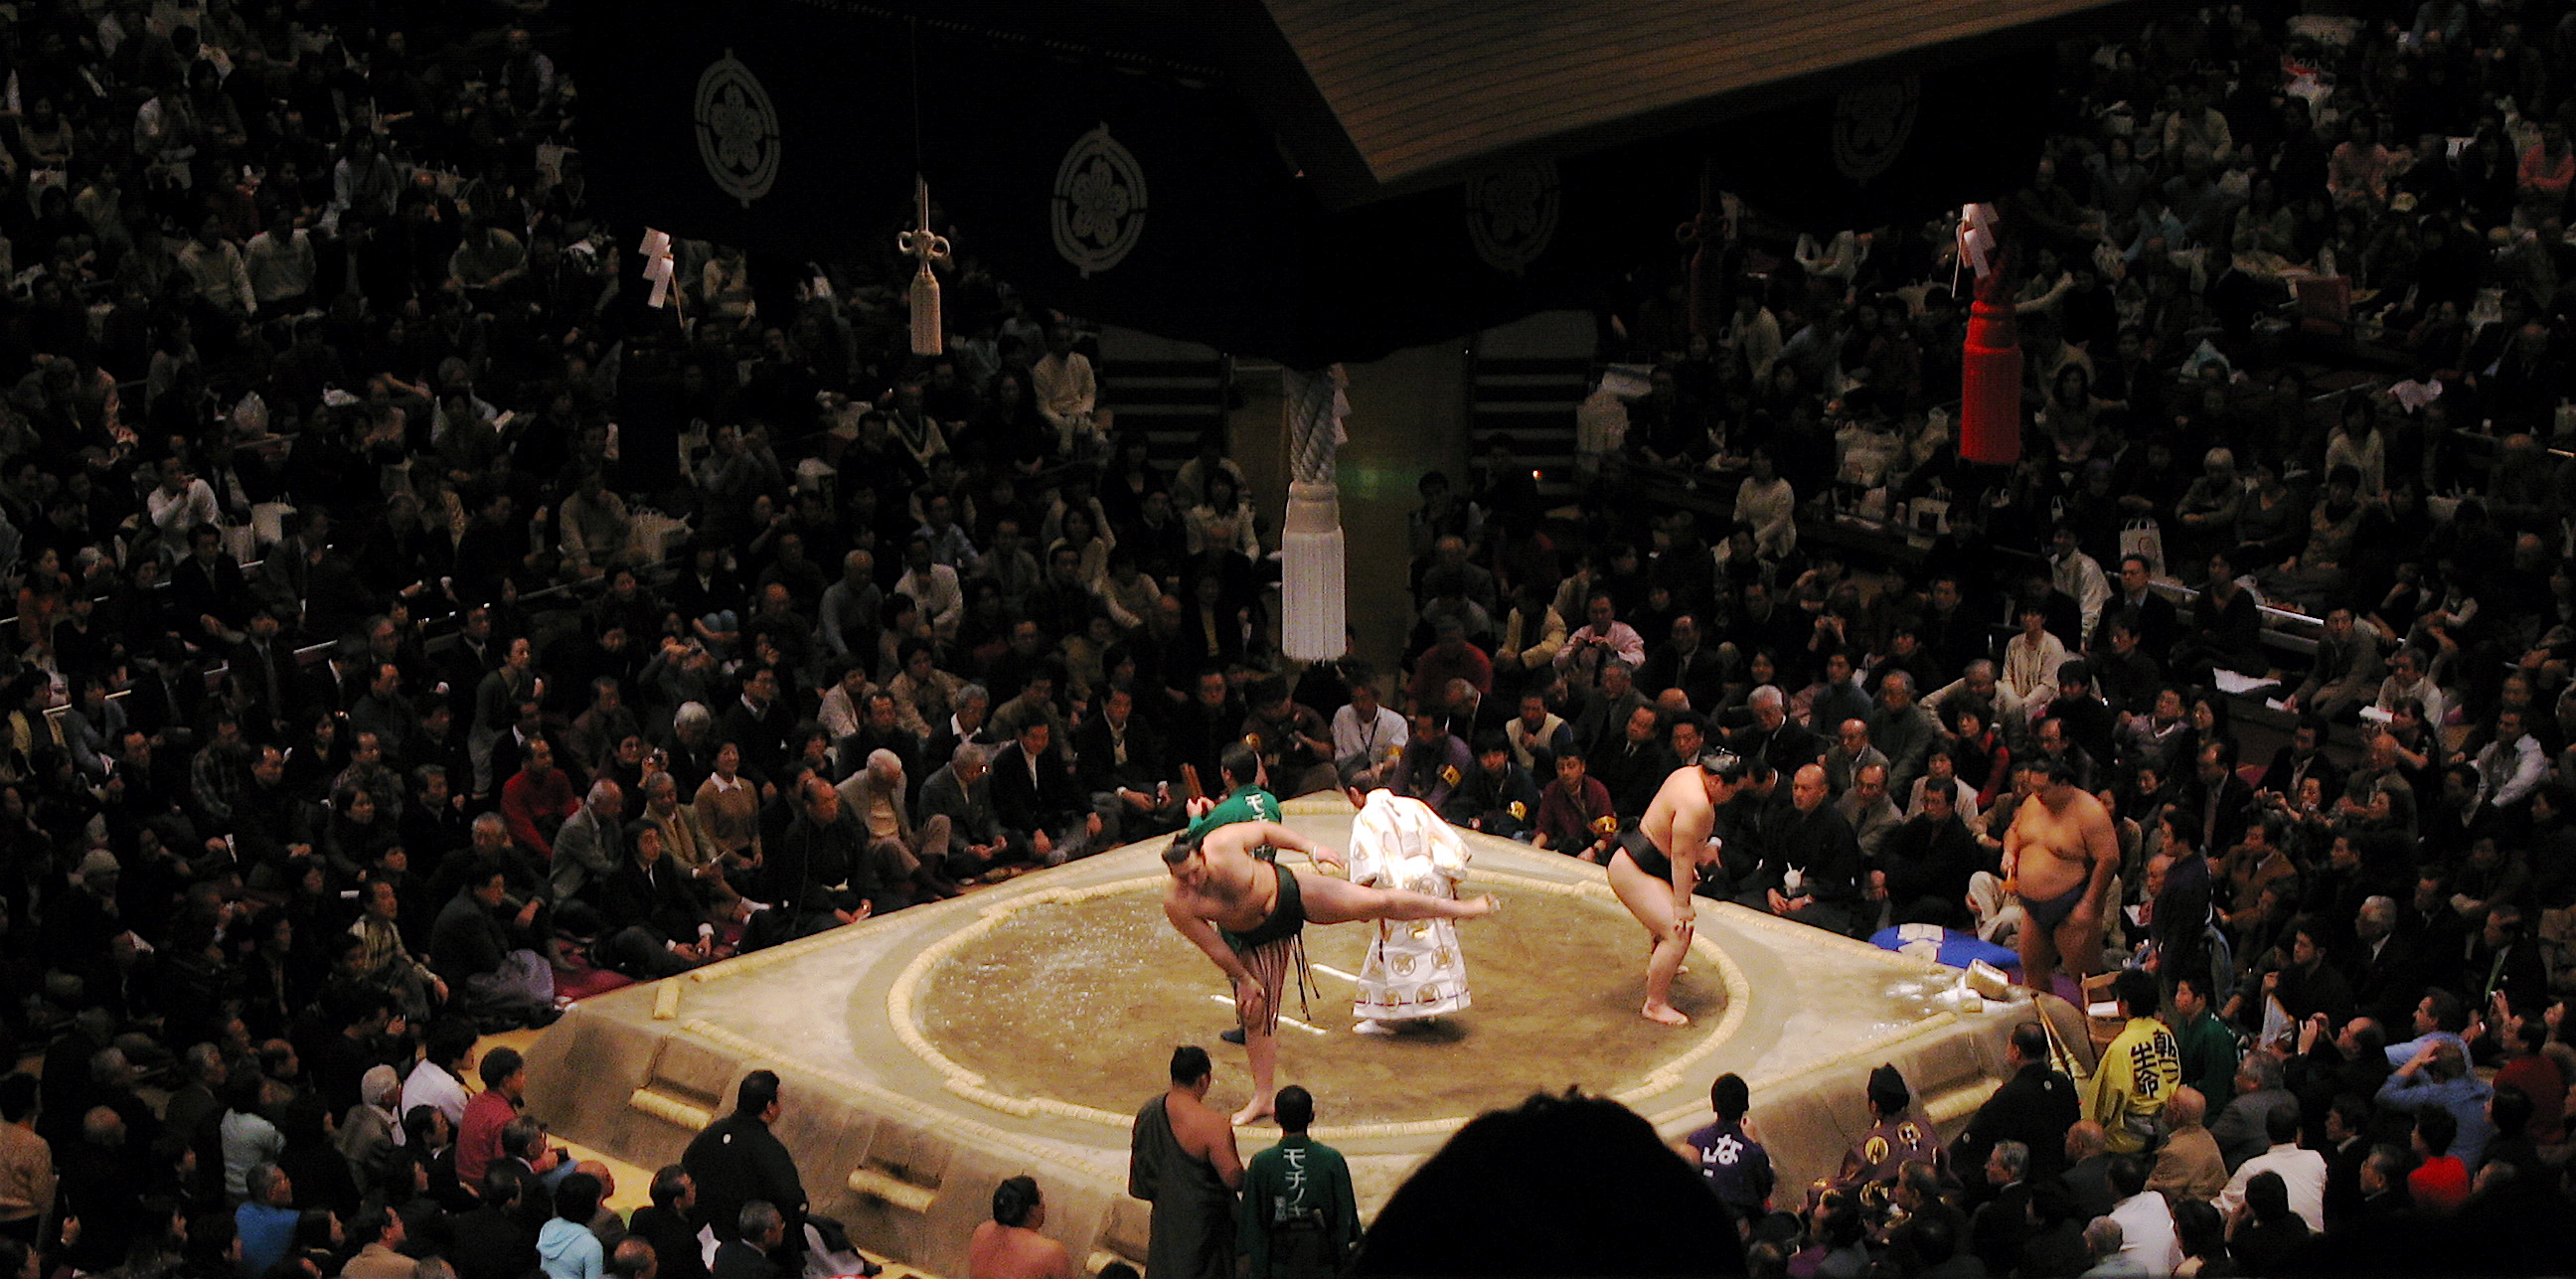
(2031, 660)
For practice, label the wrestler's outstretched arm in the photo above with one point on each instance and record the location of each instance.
(1254, 834)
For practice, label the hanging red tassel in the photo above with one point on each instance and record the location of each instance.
(1697, 235)
(1990, 375)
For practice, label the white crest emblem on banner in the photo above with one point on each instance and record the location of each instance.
(1099, 206)
(1872, 125)
(737, 130)
(1512, 215)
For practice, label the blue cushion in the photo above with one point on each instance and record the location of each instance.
(1942, 945)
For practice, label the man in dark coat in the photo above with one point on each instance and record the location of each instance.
(1924, 873)
(2034, 1107)
(491, 1242)
(737, 1160)
(758, 1234)
(1811, 871)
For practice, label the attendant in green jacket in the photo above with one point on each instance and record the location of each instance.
(1245, 800)
(1300, 1220)
(2208, 1045)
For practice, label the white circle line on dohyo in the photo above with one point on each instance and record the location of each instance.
(737, 129)
(1098, 211)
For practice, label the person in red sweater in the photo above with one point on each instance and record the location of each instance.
(2547, 170)
(537, 799)
(478, 1139)
(2526, 1067)
(2440, 1182)
(1572, 816)
(1450, 657)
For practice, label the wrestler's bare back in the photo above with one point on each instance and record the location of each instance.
(2053, 847)
(1227, 886)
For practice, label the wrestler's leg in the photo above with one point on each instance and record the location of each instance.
(1651, 901)
(2079, 947)
(2038, 946)
(1261, 1047)
(1339, 901)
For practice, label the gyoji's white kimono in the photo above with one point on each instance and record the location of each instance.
(1414, 968)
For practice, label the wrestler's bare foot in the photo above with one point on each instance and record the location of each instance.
(1259, 1108)
(1665, 1015)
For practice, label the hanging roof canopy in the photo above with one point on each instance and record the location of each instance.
(1310, 180)
(1424, 91)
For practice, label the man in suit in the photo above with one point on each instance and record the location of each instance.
(2346, 675)
(2243, 1130)
(2151, 617)
(1687, 664)
(169, 692)
(336, 684)
(1605, 710)
(1950, 633)
(462, 668)
(880, 729)
(666, 1224)
(1039, 802)
(2219, 805)
(1632, 767)
(589, 846)
(2504, 958)
(491, 1242)
(758, 722)
(2380, 966)
(207, 590)
(2034, 1107)
(962, 792)
(1120, 765)
(264, 665)
(759, 1233)
(2303, 756)
(2088, 1169)
(1773, 737)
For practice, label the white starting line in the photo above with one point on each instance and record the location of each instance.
(1352, 978)
(1284, 1019)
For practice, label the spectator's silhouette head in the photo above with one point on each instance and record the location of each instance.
(2269, 1197)
(1017, 1200)
(1729, 1097)
(2435, 1130)
(1888, 1094)
(1558, 1185)
(577, 1198)
(1296, 1109)
(758, 1092)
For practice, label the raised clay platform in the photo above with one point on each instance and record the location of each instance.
(928, 1055)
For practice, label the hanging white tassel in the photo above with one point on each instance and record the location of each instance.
(1312, 627)
(656, 252)
(926, 333)
(925, 246)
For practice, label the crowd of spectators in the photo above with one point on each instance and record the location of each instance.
(382, 657)
(2283, 577)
